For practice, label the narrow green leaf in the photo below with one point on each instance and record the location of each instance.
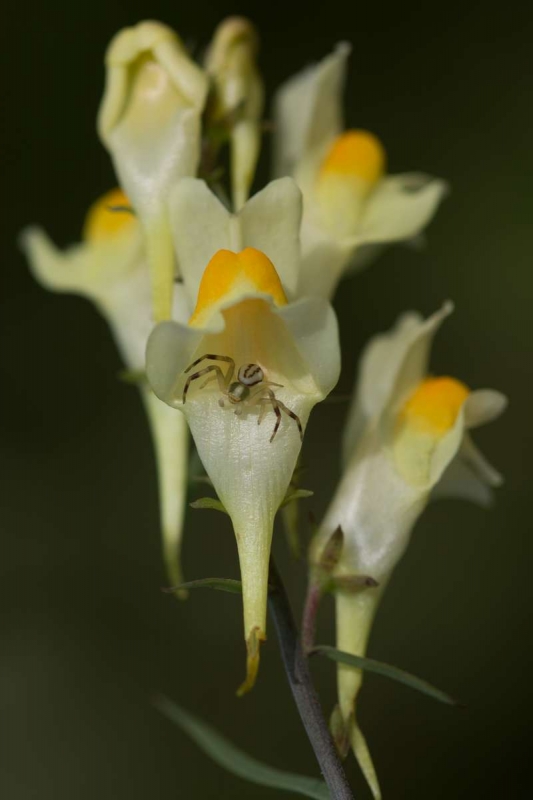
(221, 584)
(388, 671)
(132, 376)
(296, 494)
(290, 517)
(208, 502)
(234, 760)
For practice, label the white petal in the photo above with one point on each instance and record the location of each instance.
(313, 324)
(460, 481)
(479, 464)
(399, 208)
(391, 366)
(323, 262)
(484, 405)
(308, 110)
(376, 509)
(85, 268)
(201, 226)
(169, 352)
(270, 222)
(415, 361)
(113, 274)
(469, 476)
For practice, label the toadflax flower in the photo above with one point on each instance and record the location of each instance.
(238, 98)
(109, 267)
(150, 121)
(349, 200)
(248, 367)
(407, 434)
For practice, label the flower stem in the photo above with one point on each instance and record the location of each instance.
(312, 602)
(303, 690)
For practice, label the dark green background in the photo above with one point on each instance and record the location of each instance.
(85, 634)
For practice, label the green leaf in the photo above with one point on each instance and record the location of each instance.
(290, 517)
(132, 376)
(209, 502)
(221, 584)
(388, 671)
(234, 760)
(296, 494)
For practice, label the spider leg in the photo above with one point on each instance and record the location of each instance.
(293, 416)
(214, 357)
(219, 375)
(270, 398)
(277, 412)
(208, 380)
(263, 401)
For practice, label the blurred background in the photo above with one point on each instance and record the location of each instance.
(86, 635)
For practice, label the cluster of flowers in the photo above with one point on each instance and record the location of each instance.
(235, 292)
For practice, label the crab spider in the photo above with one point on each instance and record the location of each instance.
(240, 391)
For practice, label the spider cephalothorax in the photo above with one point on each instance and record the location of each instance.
(242, 392)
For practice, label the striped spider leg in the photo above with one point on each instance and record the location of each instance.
(223, 380)
(277, 407)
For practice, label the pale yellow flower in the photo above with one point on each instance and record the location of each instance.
(238, 272)
(352, 208)
(238, 98)
(150, 121)
(408, 433)
(109, 268)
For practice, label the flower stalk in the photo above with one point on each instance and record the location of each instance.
(303, 690)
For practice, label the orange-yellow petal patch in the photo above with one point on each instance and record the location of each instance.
(108, 217)
(356, 153)
(230, 277)
(434, 405)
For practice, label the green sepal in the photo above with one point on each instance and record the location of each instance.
(234, 760)
(134, 377)
(208, 502)
(294, 495)
(386, 670)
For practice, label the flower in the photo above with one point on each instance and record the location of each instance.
(351, 207)
(407, 434)
(109, 268)
(150, 121)
(238, 98)
(239, 273)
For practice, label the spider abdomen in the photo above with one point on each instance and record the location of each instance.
(250, 374)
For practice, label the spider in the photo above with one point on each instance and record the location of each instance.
(240, 392)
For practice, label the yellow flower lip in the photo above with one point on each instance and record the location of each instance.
(355, 153)
(108, 217)
(230, 277)
(434, 405)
